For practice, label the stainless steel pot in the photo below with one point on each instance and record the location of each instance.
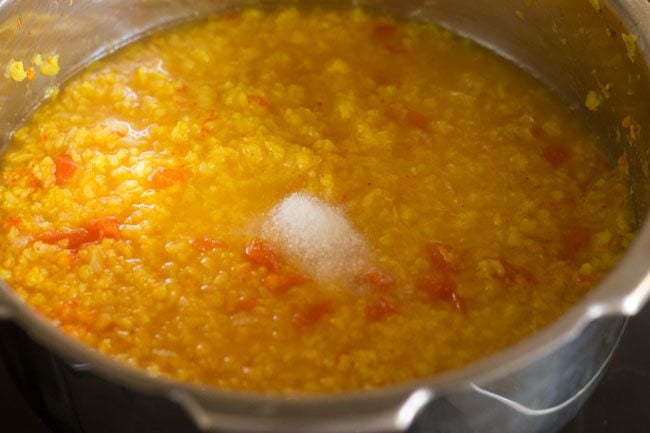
(573, 45)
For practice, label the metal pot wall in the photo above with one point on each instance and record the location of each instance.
(575, 46)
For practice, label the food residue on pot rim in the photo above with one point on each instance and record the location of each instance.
(593, 100)
(15, 70)
(630, 45)
(596, 5)
(48, 66)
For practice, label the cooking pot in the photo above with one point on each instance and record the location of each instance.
(575, 46)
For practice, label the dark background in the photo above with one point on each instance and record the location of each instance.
(621, 403)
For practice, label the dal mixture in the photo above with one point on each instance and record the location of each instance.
(306, 202)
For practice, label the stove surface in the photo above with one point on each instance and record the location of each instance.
(620, 404)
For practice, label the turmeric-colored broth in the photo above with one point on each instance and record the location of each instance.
(135, 205)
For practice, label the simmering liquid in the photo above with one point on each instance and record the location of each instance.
(305, 201)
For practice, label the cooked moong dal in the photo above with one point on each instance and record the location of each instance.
(306, 201)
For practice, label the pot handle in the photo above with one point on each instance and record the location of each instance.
(393, 419)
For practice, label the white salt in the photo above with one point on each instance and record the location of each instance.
(316, 237)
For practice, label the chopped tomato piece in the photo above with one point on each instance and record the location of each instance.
(52, 236)
(93, 232)
(574, 239)
(262, 254)
(205, 244)
(311, 315)
(64, 168)
(165, 177)
(513, 274)
(74, 237)
(79, 237)
(441, 289)
(380, 308)
(13, 221)
(281, 283)
(384, 28)
(556, 155)
(230, 16)
(33, 181)
(417, 119)
(245, 304)
(378, 278)
(440, 286)
(442, 257)
(437, 288)
(584, 279)
(386, 31)
(258, 100)
(108, 227)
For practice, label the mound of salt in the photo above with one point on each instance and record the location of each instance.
(316, 237)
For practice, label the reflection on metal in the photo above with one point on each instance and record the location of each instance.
(200, 417)
(412, 408)
(385, 421)
(81, 366)
(635, 302)
(529, 411)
